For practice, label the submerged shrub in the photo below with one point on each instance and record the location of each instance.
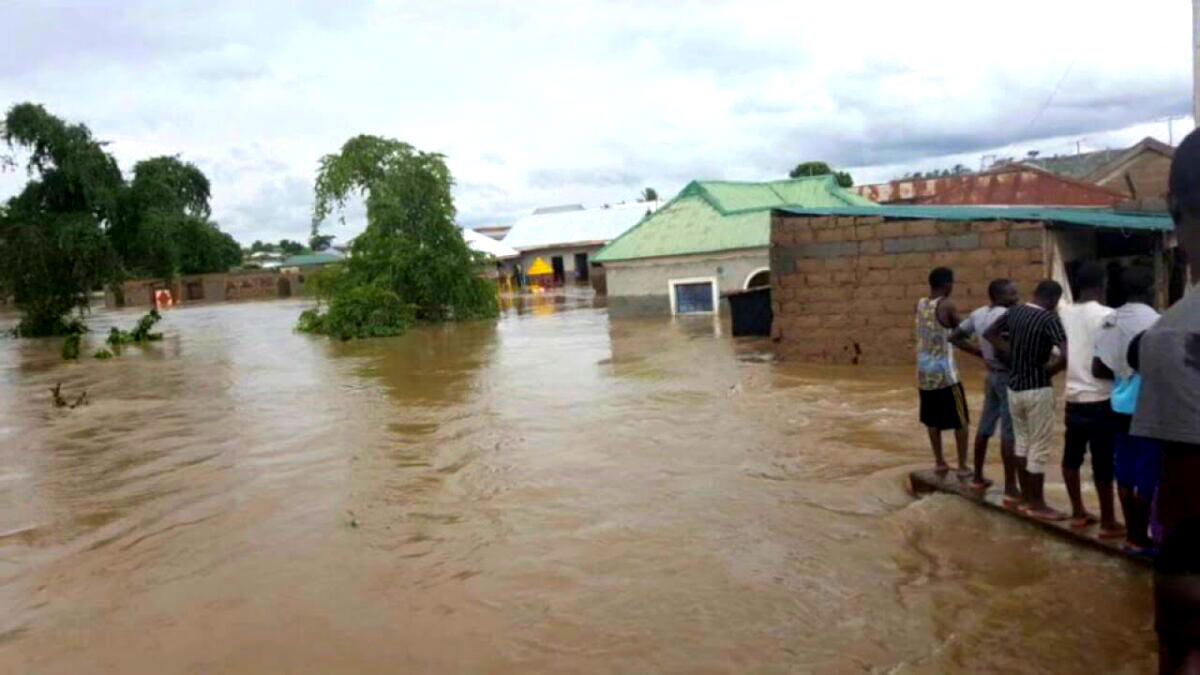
(411, 263)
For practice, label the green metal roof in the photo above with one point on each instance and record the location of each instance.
(1102, 218)
(310, 259)
(710, 216)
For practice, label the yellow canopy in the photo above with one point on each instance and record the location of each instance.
(539, 267)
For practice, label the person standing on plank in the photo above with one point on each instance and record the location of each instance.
(1136, 459)
(943, 404)
(1028, 334)
(1089, 417)
(1168, 409)
(1003, 294)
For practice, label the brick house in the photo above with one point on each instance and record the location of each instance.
(844, 281)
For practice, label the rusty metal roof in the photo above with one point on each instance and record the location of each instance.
(1095, 218)
(1024, 185)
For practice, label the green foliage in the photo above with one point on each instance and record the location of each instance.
(649, 195)
(411, 261)
(70, 348)
(320, 242)
(802, 169)
(103, 355)
(77, 225)
(360, 312)
(140, 333)
(289, 247)
(52, 238)
(163, 227)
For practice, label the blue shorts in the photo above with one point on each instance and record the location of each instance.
(1137, 463)
(995, 407)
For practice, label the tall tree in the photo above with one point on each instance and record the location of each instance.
(821, 169)
(289, 247)
(164, 207)
(411, 263)
(649, 195)
(52, 234)
(320, 242)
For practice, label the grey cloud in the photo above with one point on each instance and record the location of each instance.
(567, 177)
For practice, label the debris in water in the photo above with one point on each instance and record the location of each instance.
(61, 402)
(353, 522)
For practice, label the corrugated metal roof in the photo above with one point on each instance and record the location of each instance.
(709, 216)
(544, 230)
(310, 259)
(1102, 218)
(485, 244)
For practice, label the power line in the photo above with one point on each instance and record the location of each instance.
(1049, 99)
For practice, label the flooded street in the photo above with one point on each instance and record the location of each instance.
(553, 491)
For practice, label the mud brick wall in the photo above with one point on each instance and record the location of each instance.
(843, 289)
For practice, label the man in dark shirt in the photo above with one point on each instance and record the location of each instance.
(1168, 409)
(1028, 335)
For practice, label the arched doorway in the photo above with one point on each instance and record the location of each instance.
(759, 277)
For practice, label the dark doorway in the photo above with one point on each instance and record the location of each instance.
(285, 288)
(581, 267)
(560, 275)
(195, 290)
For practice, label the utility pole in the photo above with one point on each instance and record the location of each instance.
(1196, 62)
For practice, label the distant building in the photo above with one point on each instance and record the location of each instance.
(1103, 178)
(308, 261)
(1139, 172)
(497, 232)
(1016, 184)
(844, 281)
(709, 240)
(567, 237)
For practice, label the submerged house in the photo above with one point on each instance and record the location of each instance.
(567, 238)
(711, 239)
(845, 280)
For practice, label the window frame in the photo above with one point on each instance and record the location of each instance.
(711, 281)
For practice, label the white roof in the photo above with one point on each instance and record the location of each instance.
(543, 230)
(485, 244)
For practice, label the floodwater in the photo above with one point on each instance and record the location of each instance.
(553, 491)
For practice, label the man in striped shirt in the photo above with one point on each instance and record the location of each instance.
(1028, 335)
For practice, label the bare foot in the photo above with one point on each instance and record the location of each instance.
(1082, 521)
(941, 470)
(981, 484)
(1045, 513)
(1014, 502)
(1113, 531)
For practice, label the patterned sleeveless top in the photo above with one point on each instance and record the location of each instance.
(935, 356)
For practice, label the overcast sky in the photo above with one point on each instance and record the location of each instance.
(538, 103)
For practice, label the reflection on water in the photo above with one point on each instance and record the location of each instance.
(551, 491)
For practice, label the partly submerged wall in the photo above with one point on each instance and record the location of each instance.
(844, 289)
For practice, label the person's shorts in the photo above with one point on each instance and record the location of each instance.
(1178, 496)
(1137, 463)
(944, 408)
(995, 407)
(1090, 426)
(1033, 424)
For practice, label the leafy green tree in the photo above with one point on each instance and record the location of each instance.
(411, 263)
(320, 242)
(163, 209)
(649, 195)
(289, 247)
(803, 169)
(259, 247)
(52, 234)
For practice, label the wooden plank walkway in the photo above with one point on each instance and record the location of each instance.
(927, 481)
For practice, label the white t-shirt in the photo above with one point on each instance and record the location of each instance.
(1082, 321)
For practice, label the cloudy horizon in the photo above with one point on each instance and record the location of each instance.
(544, 104)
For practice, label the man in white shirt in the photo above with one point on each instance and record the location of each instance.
(1089, 417)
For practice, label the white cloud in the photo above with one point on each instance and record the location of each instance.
(542, 102)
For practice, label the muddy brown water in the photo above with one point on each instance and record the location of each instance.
(553, 491)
